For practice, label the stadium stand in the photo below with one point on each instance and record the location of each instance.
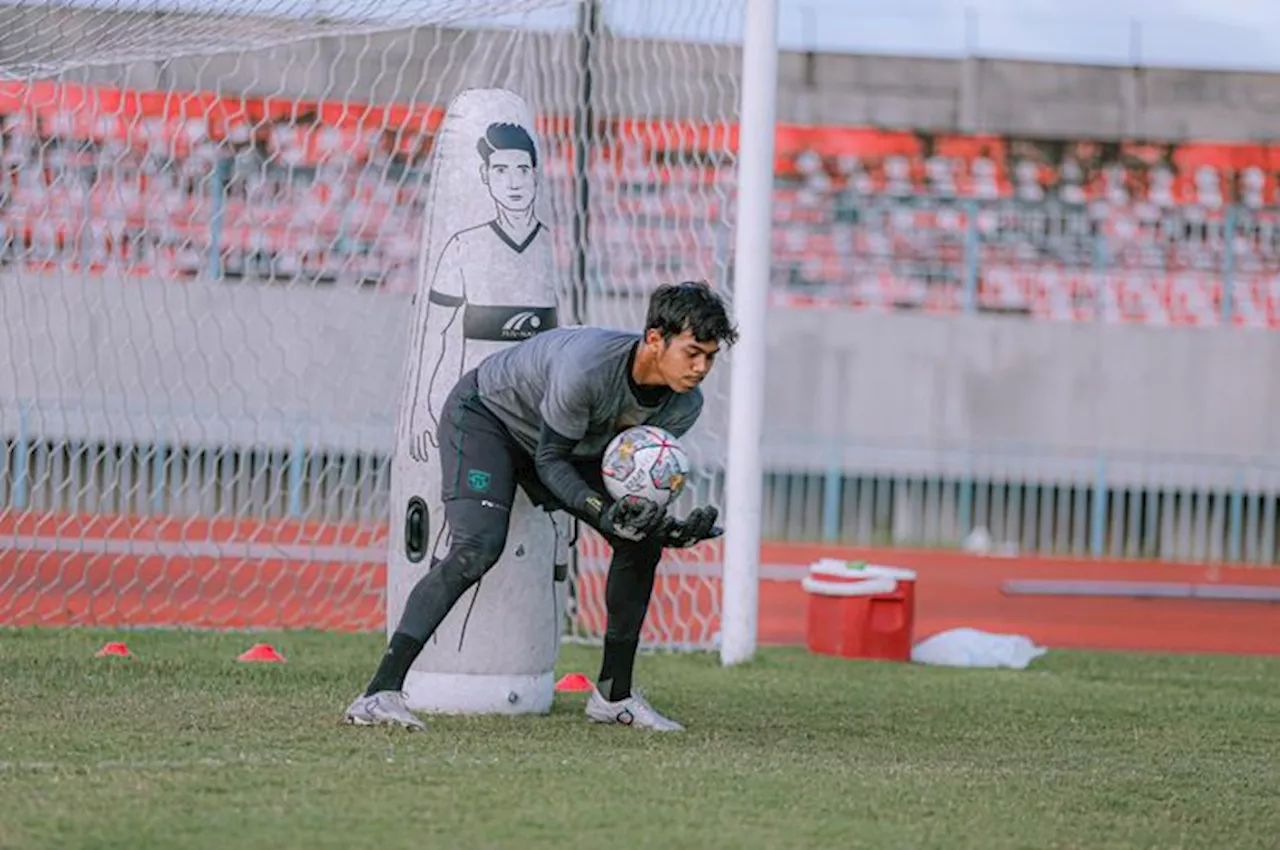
(180, 185)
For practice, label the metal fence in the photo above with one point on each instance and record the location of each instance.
(1010, 499)
(1018, 499)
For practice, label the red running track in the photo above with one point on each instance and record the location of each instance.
(112, 571)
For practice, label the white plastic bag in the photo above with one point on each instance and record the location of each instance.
(966, 647)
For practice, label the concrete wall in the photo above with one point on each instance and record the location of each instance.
(642, 78)
(908, 391)
(264, 365)
(137, 361)
(252, 364)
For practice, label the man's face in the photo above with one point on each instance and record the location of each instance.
(684, 361)
(510, 179)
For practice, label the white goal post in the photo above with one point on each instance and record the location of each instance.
(752, 273)
(209, 237)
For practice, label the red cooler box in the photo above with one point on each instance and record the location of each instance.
(860, 610)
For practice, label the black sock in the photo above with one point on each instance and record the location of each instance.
(615, 668)
(396, 661)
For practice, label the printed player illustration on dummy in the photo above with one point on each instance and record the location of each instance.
(466, 306)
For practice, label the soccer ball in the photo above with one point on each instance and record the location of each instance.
(648, 462)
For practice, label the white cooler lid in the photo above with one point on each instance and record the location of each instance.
(870, 587)
(858, 570)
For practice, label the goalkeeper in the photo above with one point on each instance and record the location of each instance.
(539, 414)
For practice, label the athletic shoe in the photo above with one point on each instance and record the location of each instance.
(385, 708)
(632, 711)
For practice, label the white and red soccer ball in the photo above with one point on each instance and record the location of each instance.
(647, 462)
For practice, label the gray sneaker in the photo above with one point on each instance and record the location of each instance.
(385, 708)
(632, 711)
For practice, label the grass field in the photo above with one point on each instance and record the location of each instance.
(184, 747)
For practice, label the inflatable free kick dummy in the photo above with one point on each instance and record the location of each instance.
(485, 281)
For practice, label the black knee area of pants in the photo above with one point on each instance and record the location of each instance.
(473, 558)
(479, 534)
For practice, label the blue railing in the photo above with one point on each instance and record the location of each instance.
(1025, 498)
(1012, 498)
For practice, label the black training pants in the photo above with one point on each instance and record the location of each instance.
(481, 466)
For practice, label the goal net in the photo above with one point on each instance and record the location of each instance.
(209, 232)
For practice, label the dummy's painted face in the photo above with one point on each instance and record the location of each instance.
(511, 179)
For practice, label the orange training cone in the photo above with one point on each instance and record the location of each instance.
(574, 683)
(261, 652)
(114, 649)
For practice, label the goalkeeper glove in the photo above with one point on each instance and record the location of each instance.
(698, 526)
(630, 518)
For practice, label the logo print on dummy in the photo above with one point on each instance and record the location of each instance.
(526, 323)
(500, 323)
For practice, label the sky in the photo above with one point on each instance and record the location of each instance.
(1197, 33)
(1226, 34)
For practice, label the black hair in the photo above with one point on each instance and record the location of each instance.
(503, 137)
(690, 306)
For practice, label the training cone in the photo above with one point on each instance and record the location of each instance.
(116, 650)
(573, 683)
(261, 652)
